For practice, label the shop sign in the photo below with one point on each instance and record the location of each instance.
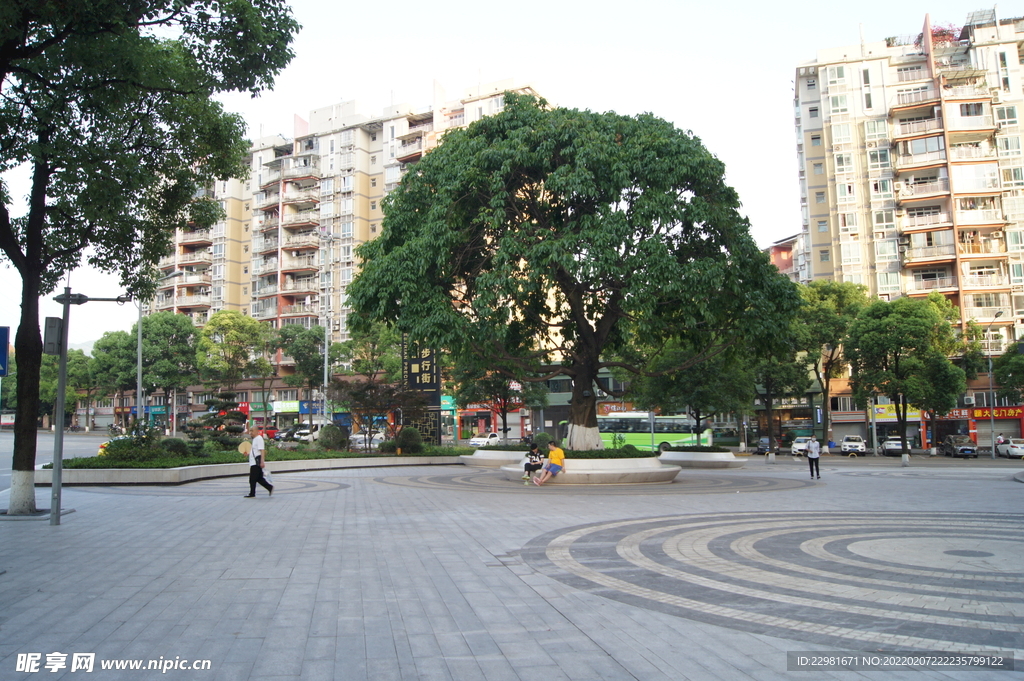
(160, 409)
(447, 403)
(1000, 413)
(887, 412)
(605, 408)
(956, 415)
(286, 406)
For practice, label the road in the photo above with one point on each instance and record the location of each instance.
(75, 445)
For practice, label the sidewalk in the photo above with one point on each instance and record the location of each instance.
(445, 572)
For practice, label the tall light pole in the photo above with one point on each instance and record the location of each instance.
(991, 390)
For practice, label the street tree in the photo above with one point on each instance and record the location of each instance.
(113, 362)
(168, 353)
(77, 378)
(781, 372)
(715, 386)
(896, 349)
(111, 108)
(230, 349)
(306, 347)
(828, 311)
(371, 401)
(476, 385)
(554, 242)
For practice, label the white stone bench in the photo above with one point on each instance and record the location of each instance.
(702, 459)
(492, 458)
(604, 472)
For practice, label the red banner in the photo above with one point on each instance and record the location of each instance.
(1000, 413)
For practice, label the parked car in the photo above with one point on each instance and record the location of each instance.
(852, 443)
(763, 445)
(1014, 447)
(484, 440)
(359, 441)
(892, 446)
(286, 434)
(799, 446)
(959, 445)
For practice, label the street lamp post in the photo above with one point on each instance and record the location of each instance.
(991, 389)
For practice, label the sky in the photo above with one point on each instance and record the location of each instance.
(722, 71)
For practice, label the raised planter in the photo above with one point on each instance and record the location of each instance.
(178, 476)
(492, 458)
(605, 472)
(702, 459)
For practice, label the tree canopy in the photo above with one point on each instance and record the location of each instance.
(110, 105)
(551, 241)
(231, 347)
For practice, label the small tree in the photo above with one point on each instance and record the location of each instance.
(230, 348)
(778, 374)
(501, 393)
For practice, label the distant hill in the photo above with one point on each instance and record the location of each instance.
(85, 347)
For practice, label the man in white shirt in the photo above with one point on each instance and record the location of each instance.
(257, 461)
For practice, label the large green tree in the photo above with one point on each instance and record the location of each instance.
(306, 347)
(114, 358)
(898, 349)
(110, 107)
(546, 241)
(230, 348)
(828, 311)
(782, 372)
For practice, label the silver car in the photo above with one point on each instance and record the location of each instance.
(799, 446)
(852, 443)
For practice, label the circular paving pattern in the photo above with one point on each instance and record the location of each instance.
(226, 487)
(483, 480)
(856, 581)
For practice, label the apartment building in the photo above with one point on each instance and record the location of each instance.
(911, 173)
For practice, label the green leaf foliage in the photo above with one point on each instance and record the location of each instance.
(231, 348)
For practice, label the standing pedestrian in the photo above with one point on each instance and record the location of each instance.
(813, 454)
(257, 461)
(533, 462)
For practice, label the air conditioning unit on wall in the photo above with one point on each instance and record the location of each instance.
(968, 401)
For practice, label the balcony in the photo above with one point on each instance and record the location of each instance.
(944, 252)
(266, 313)
(926, 220)
(193, 280)
(163, 302)
(270, 202)
(965, 92)
(921, 190)
(311, 240)
(301, 217)
(927, 285)
(302, 171)
(309, 196)
(302, 285)
(955, 123)
(266, 245)
(984, 247)
(270, 177)
(201, 236)
(194, 301)
(195, 257)
(199, 319)
(268, 265)
(307, 262)
(914, 98)
(300, 309)
(979, 217)
(917, 127)
(984, 281)
(267, 290)
(410, 150)
(970, 153)
(986, 314)
(906, 161)
(166, 262)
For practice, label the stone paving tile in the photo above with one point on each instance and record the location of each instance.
(381, 581)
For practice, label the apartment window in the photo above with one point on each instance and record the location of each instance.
(1016, 273)
(346, 206)
(819, 197)
(868, 103)
(822, 225)
(838, 104)
(373, 160)
(885, 251)
(819, 168)
(866, 76)
(1015, 241)
(846, 192)
(836, 75)
(1004, 72)
(923, 146)
(1006, 115)
(972, 109)
(812, 112)
(881, 189)
(888, 282)
(218, 250)
(217, 271)
(815, 140)
(287, 395)
(841, 133)
(1013, 177)
(853, 278)
(884, 219)
(373, 205)
(874, 130)
(326, 209)
(332, 146)
(823, 256)
(847, 222)
(392, 132)
(844, 163)
(850, 253)
(373, 228)
(878, 159)
(812, 84)
(326, 186)
(346, 230)
(1008, 146)
(373, 181)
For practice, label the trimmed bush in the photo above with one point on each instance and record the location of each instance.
(409, 440)
(332, 437)
(176, 446)
(386, 447)
(510, 447)
(127, 450)
(627, 452)
(542, 439)
(695, 448)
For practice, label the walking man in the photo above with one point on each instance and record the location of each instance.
(257, 460)
(813, 454)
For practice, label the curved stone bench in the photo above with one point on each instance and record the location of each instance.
(491, 458)
(605, 472)
(702, 459)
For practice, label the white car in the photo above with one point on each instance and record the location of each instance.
(1013, 447)
(852, 443)
(484, 440)
(358, 441)
(892, 446)
(799, 446)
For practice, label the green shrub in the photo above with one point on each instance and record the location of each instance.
(332, 437)
(127, 450)
(696, 448)
(631, 449)
(175, 446)
(211, 448)
(626, 452)
(542, 439)
(511, 447)
(386, 447)
(409, 440)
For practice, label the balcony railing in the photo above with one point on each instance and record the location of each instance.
(995, 346)
(195, 256)
(266, 290)
(308, 196)
(189, 301)
(161, 303)
(265, 266)
(300, 216)
(310, 309)
(979, 217)
(270, 177)
(926, 220)
(270, 202)
(930, 252)
(904, 98)
(198, 235)
(932, 284)
(165, 262)
(922, 188)
(266, 245)
(192, 279)
(964, 91)
(265, 313)
(970, 122)
(906, 160)
(984, 281)
(963, 153)
(982, 247)
(302, 171)
(305, 240)
(199, 319)
(916, 127)
(984, 314)
(302, 284)
(304, 262)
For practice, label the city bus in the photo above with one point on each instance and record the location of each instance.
(634, 428)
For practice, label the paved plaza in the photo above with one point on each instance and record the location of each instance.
(448, 572)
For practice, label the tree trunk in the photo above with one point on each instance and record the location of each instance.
(28, 348)
(583, 431)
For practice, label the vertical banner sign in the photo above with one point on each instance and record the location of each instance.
(5, 340)
(421, 372)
